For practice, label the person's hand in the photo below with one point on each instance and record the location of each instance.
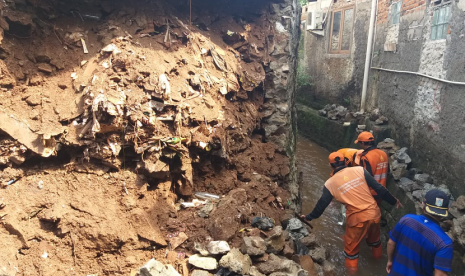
(388, 267)
(303, 217)
(399, 205)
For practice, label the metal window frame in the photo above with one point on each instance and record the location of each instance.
(341, 30)
(395, 13)
(437, 8)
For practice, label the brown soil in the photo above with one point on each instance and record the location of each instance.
(107, 199)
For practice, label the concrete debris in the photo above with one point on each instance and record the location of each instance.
(318, 254)
(255, 272)
(236, 261)
(253, 246)
(207, 263)
(156, 268)
(198, 272)
(460, 203)
(218, 247)
(310, 241)
(280, 266)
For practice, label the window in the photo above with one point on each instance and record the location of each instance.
(395, 13)
(342, 23)
(440, 24)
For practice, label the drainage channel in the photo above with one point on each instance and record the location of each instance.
(313, 163)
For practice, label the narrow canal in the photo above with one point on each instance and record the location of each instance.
(313, 163)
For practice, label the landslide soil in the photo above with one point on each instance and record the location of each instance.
(98, 206)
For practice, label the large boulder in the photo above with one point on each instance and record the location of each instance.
(253, 246)
(207, 263)
(237, 262)
(155, 268)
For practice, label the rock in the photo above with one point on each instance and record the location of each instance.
(254, 272)
(288, 250)
(458, 230)
(275, 232)
(399, 170)
(262, 258)
(402, 157)
(306, 262)
(237, 262)
(206, 209)
(409, 185)
(207, 263)
(17, 159)
(218, 247)
(329, 269)
(374, 115)
(341, 112)
(423, 178)
(262, 223)
(332, 114)
(310, 241)
(412, 172)
(198, 272)
(45, 67)
(253, 246)
(36, 80)
(322, 112)
(201, 249)
(294, 224)
(381, 121)
(178, 240)
(418, 195)
(280, 266)
(34, 100)
(275, 244)
(286, 235)
(318, 254)
(460, 203)
(155, 268)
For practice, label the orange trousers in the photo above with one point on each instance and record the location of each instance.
(370, 231)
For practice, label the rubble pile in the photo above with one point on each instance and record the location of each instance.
(342, 114)
(260, 253)
(415, 184)
(131, 135)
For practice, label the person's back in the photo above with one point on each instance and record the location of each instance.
(421, 247)
(376, 162)
(349, 187)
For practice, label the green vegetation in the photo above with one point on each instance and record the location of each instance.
(303, 2)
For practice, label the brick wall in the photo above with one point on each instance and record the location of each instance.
(408, 6)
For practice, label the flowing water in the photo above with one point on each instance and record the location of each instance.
(313, 163)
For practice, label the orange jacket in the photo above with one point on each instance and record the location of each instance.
(376, 162)
(349, 187)
(352, 156)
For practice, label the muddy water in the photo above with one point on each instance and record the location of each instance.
(313, 162)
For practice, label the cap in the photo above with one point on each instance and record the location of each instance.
(437, 203)
(365, 136)
(336, 157)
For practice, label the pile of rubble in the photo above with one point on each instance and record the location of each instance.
(130, 134)
(415, 184)
(342, 114)
(258, 254)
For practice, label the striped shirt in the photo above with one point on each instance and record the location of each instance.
(421, 247)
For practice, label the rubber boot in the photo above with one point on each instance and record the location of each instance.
(351, 266)
(377, 251)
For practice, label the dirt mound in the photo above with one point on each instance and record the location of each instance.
(113, 114)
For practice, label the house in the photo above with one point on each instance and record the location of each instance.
(416, 72)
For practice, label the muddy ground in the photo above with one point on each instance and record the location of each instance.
(99, 148)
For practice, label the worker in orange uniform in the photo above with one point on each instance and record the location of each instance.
(374, 160)
(352, 156)
(351, 186)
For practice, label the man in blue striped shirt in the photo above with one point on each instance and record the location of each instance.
(417, 245)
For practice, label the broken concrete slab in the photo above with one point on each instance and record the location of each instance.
(236, 261)
(218, 247)
(156, 268)
(207, 263)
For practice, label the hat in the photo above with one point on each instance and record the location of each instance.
(437, 203)
(364, 137)
(336, 157)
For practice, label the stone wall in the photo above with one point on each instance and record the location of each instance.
(279, 122)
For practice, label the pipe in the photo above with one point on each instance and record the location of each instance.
(368, 54)
(420, 74)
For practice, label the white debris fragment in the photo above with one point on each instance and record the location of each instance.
(40, 185)
(45, 255)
